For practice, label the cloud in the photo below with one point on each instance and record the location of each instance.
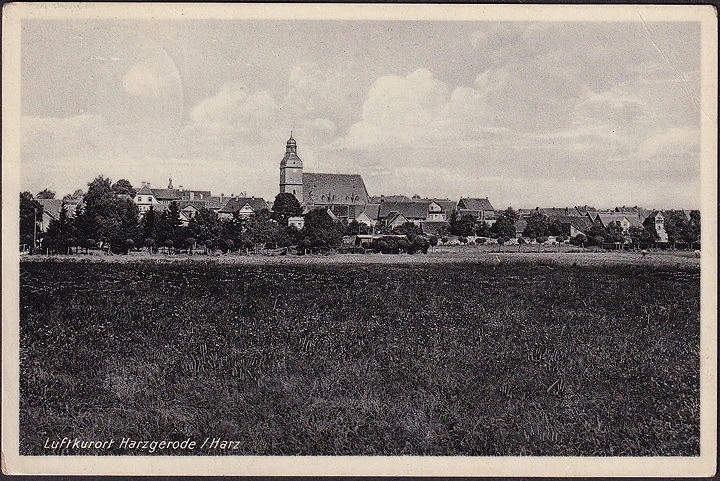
(315, 92)
(142, 81)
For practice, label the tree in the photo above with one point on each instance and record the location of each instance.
(578, 240)
(31, 213)
(320, 230)
(408, 229)
(643, 237)
(59, 233)
(691, 231)
(462, 225)
(45, 194)
(355, 228)
(284, 207)
(205, 227)
(123, 186)
(537, 225)
(482, 230)
(505, 224)
(675, 224)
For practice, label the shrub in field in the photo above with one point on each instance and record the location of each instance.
(129, 244)
(578, 240)
(480, 241)
(541, 239)
(521, 241)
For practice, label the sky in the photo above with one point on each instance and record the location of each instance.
(526, 114)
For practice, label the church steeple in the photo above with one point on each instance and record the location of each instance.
(291, 167)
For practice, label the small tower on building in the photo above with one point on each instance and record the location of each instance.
(291, 171)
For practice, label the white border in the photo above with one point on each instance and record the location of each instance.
(704, 465)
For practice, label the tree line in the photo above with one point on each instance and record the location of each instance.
(109, 219)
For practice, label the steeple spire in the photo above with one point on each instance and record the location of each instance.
(291, 147)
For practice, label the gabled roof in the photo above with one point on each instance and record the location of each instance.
(395, 216)
(51, 207)
(371, 211)
(447, 205)
(236, 203)
(411, 210)
(144, 190)
(334, 189)
(197, 204)
(474, 203)
(607, 218)
(166, 194)
(583, 224)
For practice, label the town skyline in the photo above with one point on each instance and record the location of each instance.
(524, 113)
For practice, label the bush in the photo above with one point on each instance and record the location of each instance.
(541, 239)
(521, 241)
(462, 240)
(578, 240)
(480, 241)
(129, 245)
(420, 244)
(560, 239)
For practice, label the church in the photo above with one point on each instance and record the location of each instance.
(344, 195)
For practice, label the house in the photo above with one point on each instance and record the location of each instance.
(606, 219)
(440, 209)
(635, 211)
(298, 222)
(656, 221)
(415, 212)
(145, 198)
(51, 211)
(480, 208)
(369, 215)
(244, 206)
(188, 210)
(396, 219)
(573, 225)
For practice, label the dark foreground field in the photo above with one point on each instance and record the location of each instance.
(434, 359)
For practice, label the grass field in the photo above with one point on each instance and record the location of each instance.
(504, 357)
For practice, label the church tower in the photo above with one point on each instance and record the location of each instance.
(291, 171)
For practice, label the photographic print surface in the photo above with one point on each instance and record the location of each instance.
(373, 234)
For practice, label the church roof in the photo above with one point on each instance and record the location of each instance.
(478, 204)
(411, 210)
(334, 189)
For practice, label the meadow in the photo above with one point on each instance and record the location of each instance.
(521, 357)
